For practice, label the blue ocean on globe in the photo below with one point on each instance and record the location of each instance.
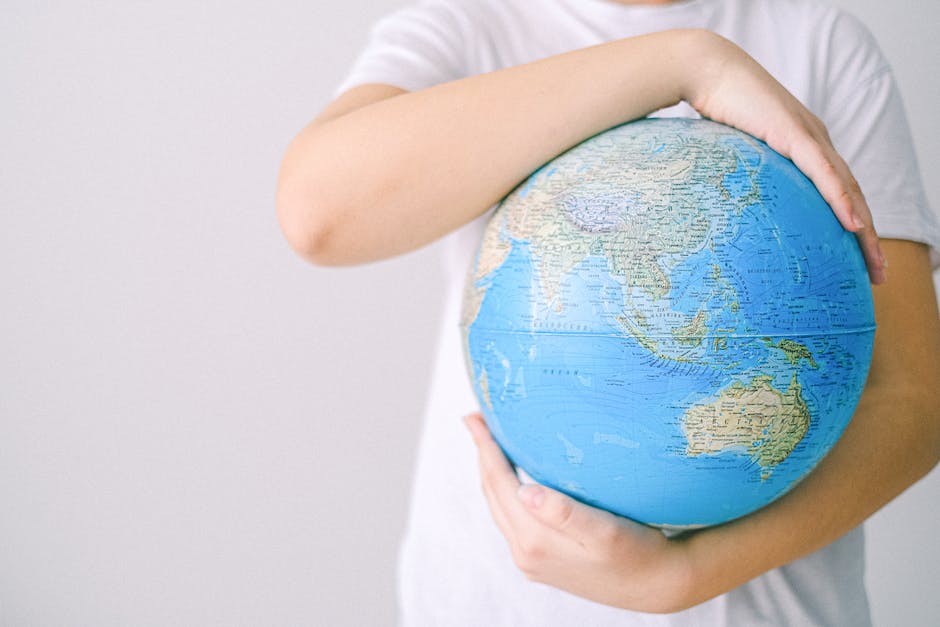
(668, 322)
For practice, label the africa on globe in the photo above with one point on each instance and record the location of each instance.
(668, 322)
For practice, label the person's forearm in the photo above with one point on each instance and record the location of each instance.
(880, 454)
(892, 441)
(397, 174)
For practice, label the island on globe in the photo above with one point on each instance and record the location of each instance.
(667, 322)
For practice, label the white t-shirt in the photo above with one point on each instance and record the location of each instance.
(455, 567)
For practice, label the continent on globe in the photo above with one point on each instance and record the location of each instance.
(667, 321)
(758, 417)
(794, 351)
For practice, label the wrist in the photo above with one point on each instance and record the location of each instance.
(703, 57)
(683, 574)
(670, 586)
(727, 556)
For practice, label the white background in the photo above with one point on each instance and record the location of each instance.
(196, 427)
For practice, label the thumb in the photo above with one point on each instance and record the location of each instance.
(588, 525)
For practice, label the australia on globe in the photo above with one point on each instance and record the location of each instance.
(667, 322)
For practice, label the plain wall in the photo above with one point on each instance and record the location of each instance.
(196, 427)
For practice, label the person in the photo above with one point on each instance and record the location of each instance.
(450, 105)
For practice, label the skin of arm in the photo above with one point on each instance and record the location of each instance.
(892, 441)
(382, 171)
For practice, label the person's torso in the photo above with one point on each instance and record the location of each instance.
(455, 567)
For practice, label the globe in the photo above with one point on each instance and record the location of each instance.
(667, 322)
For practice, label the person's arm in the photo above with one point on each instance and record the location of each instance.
(385, 171)
(892, 441)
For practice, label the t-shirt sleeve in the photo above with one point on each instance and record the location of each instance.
(414, 47)
(869, 128)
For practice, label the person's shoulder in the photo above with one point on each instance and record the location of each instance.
(791, 9)
(848, 44)
(449, 23)
(838, 39)
(831, 24)
(428, 10)
(455, 7)
(477, 10)
(452, 15)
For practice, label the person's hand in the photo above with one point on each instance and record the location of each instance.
(730, 87)
(589, 552)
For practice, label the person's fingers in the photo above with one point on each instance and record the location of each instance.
(838, 187)
(499, 516)
(870, 246)
(488, 468)
(499, 481)
(874, 257)
(498, 468)
(867, 236)
(820, 166)
(594, 529)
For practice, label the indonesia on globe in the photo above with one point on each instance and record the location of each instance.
(668, 322)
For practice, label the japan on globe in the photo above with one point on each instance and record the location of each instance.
(668, 322)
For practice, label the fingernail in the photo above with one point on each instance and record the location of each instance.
(857, 221)
(532, 495)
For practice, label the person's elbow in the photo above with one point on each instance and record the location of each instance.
(306, 213)
(306, 228)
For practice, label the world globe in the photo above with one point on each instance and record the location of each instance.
(667, 322)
